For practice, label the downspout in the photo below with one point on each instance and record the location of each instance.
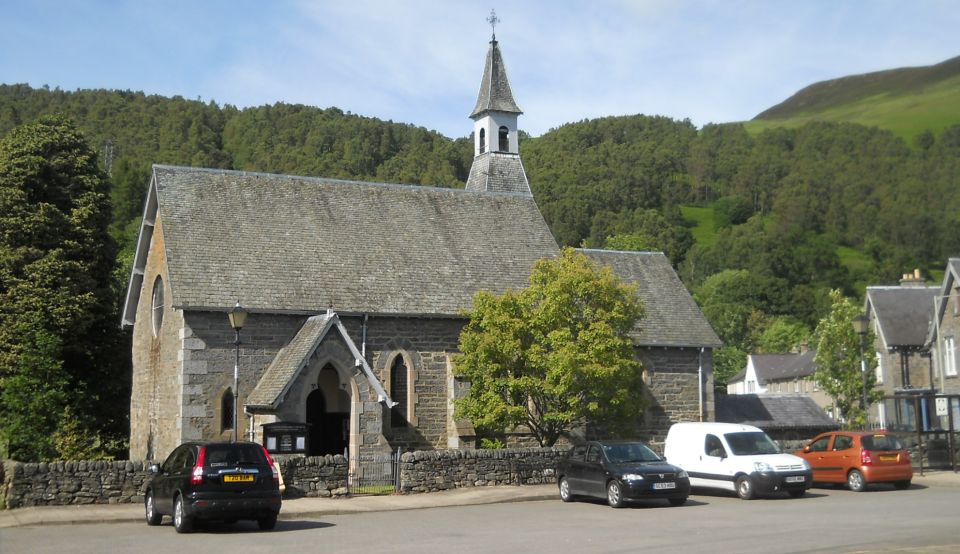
(363, 337)
(700, 381)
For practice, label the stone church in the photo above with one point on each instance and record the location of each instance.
(356, 293)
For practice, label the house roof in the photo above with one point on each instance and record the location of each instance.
(903, 314)
(298, 244)
(295, 356)
(672, 318)
(951, 279)
(783, 411)
(495, 93)
(780, 367)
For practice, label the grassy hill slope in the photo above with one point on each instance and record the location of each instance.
(906, 101)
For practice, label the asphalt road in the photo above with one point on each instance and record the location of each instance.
(917, 520)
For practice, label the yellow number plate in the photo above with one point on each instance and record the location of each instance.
(888, 458)
(238, 478)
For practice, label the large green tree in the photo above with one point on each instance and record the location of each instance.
(60, 347)
(839, 371)
(554, 355)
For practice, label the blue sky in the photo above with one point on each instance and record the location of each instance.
(419, 61)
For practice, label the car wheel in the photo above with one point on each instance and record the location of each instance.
(267, 523)
(797, 493)
(614, 494)
(565, 494)
(902, 485)
(678, 501)
(153, 516)
(181, 522)
(744, 487)
(855, 481)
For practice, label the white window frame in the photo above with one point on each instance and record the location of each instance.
(879, 368)
(950, 357)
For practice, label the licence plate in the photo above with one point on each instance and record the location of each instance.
(238, 478)
(665, 485)
(888, 457)
(795, 479)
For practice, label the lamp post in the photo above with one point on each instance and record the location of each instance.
(237, 316)
(861, 324)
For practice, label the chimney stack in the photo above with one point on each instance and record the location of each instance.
(912, 279)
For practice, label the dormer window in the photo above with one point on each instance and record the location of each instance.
(504, 139)
(483, 140)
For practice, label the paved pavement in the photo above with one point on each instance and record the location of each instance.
(308, 508)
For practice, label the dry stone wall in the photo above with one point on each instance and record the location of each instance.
(436, 470)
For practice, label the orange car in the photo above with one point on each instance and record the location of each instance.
(858, 458)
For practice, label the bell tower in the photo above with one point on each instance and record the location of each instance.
(496, 146)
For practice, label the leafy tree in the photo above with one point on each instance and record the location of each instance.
(783, 335)
(59, 343)
(838, 361)
(727, 362)
(554, 355)
(731, 210)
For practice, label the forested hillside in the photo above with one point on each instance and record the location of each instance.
(786, 202)
(912, 102)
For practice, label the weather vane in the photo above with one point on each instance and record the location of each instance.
(493, 20)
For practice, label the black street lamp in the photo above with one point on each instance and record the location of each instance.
(237, 316)
(861, 325)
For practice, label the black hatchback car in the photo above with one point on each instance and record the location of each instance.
(620, 471)
(225, 481)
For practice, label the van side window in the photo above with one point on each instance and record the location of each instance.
(593, 455)
(713, 446)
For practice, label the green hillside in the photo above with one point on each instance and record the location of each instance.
(906, 101)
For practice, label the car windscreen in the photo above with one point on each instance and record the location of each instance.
(220, 455)
(881, 442)
(750, 443)
(629, 453)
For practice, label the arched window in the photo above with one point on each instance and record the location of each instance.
(504, 139)
(483, 140)
(157, 306)
(399, 386)
(226, 410)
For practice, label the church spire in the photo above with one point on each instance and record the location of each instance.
(496, 147)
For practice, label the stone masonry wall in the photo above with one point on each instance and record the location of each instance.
(324, 476)
(436, 470)
(66, 483)
(671, 377)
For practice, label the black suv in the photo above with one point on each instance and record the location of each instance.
(225, 481)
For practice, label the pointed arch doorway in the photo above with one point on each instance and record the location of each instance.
(328, 413)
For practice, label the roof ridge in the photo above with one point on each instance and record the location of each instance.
(324, 180)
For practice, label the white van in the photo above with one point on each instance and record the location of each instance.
(735, 457)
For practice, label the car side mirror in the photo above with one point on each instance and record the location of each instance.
(154, 469)
(806, 449)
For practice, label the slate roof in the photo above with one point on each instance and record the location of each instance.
(498, 172)
(903, 314)
(672, 317)
(297, 244)
(768, 412)
(495, 93)
(951, 278)
(780, 367)
(295, 356)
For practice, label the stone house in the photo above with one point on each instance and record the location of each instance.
(944, 334)
(356, 294)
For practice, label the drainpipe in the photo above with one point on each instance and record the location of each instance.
(363, 337)
(700, 381)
